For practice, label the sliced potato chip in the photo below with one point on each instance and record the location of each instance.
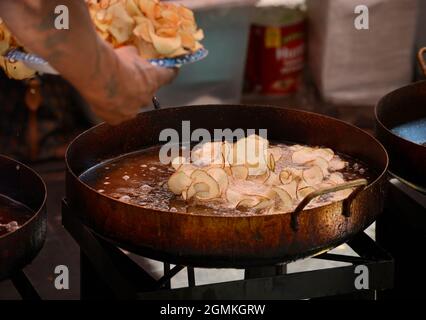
(303, 155)
(336, 177)
(178, 162)
(221, 178)
(143, 29)
(286, 200)
(248, 203)
(233, 196)
(148, 7)
(276, 152)
(201, 176)
(303, 192)
(263, 204)
(273, 179)
(291, 188)
(286, 176)
(122, 24)
(271, 162)
(239, 172)
(165, 45)
(188, 169)
(325, 153)
(322, 163)
(337, 164)
(179, 182)
(313, 175)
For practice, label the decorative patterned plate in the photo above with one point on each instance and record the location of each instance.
(37, 63)
(32, 61)
(182, 60)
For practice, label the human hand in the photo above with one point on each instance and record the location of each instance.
(130, 87)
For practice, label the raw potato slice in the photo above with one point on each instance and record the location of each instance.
(261, 179)
(271, 162)
(303, 156)
(286, 176)
(240, 172)
(337, 164)
(297, 173)
(252, 202)
(322, 163)
(179, 182)
(190, 192)
(201, 191)
(178, 162)
(276, 152)
(337, 178)
(209, 153)
(286, 200)
(325, 153)
(303, 192)
(201, 176)
(185, 195)
(313, 176)
(188, 169)
(263, 204)
(226, 151)
(228, 171)
(221, 178)
(291, 188)
(233, 197)
(273, 179)
(251, 152)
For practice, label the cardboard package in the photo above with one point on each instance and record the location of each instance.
(357, 67)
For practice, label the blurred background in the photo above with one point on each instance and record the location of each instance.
(304, 54)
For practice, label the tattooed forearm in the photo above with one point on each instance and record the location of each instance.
(78, 53)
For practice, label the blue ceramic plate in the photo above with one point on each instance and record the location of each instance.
(31, 61)
(34, 62)
(182, 60)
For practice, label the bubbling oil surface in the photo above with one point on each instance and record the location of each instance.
(141, 179)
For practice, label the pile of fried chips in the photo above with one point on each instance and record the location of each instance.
(156, 29)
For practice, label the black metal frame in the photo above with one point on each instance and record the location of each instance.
(401, 230)
(24, 286)
(107, 272)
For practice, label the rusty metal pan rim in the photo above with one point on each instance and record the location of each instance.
(43, 204)
(389, 131)
(227, 216)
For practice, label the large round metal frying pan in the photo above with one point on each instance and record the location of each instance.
(225, 241)
(19, 248)
(401, 107)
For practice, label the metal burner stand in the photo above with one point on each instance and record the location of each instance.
(106, 272)
(23, 285)
(401, 230)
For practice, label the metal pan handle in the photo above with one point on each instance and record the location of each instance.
(421, 59)
(359, 184)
